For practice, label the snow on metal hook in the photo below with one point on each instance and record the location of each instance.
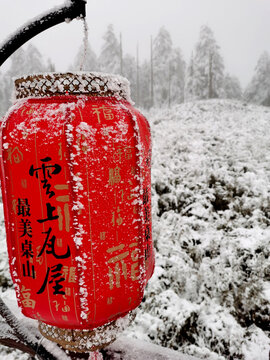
(71, 9)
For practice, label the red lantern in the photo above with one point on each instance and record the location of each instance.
(77, 199)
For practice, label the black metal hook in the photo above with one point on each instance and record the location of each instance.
(71, 10)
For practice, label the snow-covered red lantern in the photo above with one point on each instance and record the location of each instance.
(76, 184)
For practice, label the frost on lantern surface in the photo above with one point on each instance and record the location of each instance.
(77, 199)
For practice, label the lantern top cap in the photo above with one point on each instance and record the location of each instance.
(72, 83)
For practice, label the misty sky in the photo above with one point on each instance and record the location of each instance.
(241, 27)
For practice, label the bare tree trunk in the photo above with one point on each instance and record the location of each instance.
(210, 77)
(138, 78)
(121, 55)
(169, 85)
(151, 74)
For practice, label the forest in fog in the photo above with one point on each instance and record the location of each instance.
(165, 79)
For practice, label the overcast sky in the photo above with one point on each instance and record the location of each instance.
(241, 27)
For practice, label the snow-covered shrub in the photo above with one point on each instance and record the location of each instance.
(209, 295)
(5, 279)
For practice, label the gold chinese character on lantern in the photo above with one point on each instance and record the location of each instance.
(26, 295)
(118, 264)
(114, 175)
(116, 217)
(63, 208)
(104, 112)
(15, 155)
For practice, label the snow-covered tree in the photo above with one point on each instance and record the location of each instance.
(232, 87)
(34, 62)
(90, 63)
(189, 81)
(258, 91)
(177, 77)
(50, 65)
(162, 47)
(208, 67)
(162, 50)
(2, 94)
(129, 71)
(145, 83)
(24, 61)
(19, 64)
(18, 67)
(109, 59)
(5, 93)
(168, 70)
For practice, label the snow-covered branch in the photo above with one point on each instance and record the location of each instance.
(14, 334)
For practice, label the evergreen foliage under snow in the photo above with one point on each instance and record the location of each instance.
(258, 91)
(161, 82)
(109, 59)
(207, 68)
(209, 295)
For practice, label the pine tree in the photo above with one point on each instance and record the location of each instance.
(18, 65)
(121, 54)
(90, 63)
(129, 71)
(177, 77)
(151, 74)
(145, 85)
(258, 91)
(50, 66)
(232, 87)
(168, 69)
(208, 67)
(2, 95)
(33, 60)
(5, 96)
(109, 58)
(189, 81)
(162, 50)
(137, 76)
(26, 61)
(23, 62)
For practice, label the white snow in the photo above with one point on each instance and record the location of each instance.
(210, 196)
(209, 295)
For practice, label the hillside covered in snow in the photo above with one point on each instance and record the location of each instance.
(209, 295)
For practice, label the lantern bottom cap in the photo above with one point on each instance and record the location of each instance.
(86, 340)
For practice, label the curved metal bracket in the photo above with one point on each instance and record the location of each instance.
(71, 10)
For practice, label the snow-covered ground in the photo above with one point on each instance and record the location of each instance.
(209, 295)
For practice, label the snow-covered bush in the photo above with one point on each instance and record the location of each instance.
(209, 295)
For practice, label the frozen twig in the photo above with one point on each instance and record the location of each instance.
(13, 334)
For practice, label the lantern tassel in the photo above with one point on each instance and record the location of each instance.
(96, 356)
